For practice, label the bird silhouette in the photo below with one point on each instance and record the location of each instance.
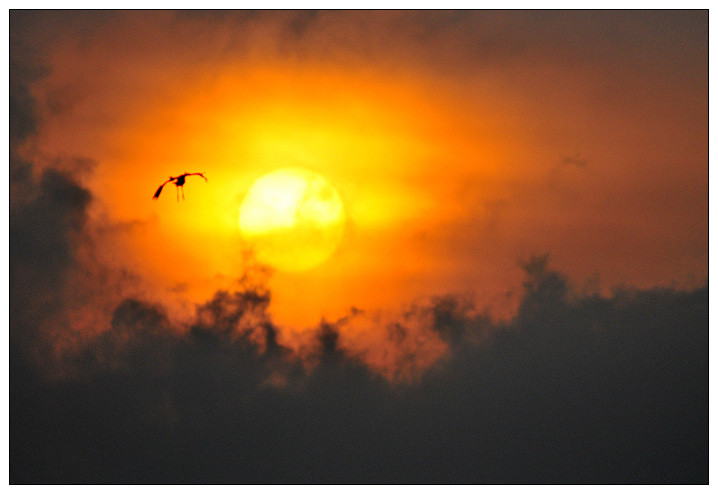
(179, 183)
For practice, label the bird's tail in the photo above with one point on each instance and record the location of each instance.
(159, 190)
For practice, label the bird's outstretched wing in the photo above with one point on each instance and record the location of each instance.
(205, 178)
(159, 189)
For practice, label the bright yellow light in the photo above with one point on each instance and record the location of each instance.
(393, 152)
(293, 218)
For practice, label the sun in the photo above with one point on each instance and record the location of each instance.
(293, 218)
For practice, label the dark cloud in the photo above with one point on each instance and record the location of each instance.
(22, 108)
(52, 270)
(584, 389)
(45, 226)
(25, 68)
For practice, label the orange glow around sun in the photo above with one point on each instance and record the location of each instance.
(450, 168)
(378, 141)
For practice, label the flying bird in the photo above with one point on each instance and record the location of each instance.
(179, 183)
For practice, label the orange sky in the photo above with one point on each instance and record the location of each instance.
(456, 155)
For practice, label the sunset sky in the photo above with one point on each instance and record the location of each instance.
(476, 184)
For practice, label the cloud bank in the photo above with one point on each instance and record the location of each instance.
(574, 389)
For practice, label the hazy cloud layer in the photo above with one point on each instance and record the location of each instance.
(500, 99)
(573, 389)
(107, 385)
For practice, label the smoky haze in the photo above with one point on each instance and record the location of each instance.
(577, 386)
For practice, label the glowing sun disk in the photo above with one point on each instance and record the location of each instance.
(293, 218)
